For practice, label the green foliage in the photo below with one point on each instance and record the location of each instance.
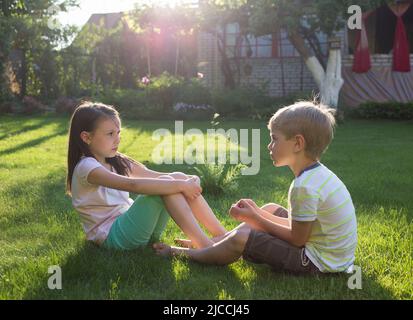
(157, 99)
(131, 103)
(194, 92)
(327, 16)
(250, 102)
(164, 89)
(217, 179)
(25, 28)
(169, 97)
(240, 102)
(388, 110)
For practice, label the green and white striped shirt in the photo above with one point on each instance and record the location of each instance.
(318, 195)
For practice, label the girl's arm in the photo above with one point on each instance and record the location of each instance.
(139, 170)
(102, 176)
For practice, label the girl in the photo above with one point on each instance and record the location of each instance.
(100, 178)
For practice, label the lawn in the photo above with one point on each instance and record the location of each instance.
(39, 228)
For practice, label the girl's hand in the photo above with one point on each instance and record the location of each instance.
(191, 188)
(243, 211)
(197, 179)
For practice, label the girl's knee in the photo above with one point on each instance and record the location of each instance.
(179, 176)
(154, 201)
(165, 177)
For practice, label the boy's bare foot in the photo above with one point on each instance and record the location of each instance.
(162, 249)
(184, 243)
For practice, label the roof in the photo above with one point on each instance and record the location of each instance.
(110, 20)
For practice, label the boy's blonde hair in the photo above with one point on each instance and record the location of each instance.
(315, 122)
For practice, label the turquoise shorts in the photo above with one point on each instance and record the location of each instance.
(144, 222)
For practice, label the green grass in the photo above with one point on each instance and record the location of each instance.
(39, 228)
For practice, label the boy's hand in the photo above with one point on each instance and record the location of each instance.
(243, 211)
(191, 188)
(252, 203)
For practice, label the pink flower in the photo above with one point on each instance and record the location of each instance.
(145, 80)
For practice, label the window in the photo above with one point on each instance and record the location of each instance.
(268, 46)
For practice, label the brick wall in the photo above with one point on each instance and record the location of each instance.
(280, 76)
(377, 60)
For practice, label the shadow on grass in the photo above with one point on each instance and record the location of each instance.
(23, 129)
(94, 273)
(32, 143)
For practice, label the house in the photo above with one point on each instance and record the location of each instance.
(273, 62)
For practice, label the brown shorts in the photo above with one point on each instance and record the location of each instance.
(262, 247)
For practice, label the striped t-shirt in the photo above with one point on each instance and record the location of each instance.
(318, 195)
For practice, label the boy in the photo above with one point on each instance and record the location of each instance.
(318, 233)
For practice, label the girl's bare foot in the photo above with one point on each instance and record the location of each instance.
(162, 249)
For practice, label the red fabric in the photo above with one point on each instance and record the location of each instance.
(362, 61)
(401, 51)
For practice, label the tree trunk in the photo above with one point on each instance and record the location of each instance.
(148, 59)
(330, 81)
(23, 74)
(177, 56)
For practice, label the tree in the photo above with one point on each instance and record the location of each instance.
(27, 26)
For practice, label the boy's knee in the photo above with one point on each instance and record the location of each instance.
(239, 239)
(270, 207)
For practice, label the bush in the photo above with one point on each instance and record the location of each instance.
(131, 103)
(219, 179)
(32, 105)
(194, 93)
(163, 97)
(164, 91)
(252, 103)
(66, 105)
(184, 111)
(6, 107)
(387, 110)
(174, 98)
(239, 102)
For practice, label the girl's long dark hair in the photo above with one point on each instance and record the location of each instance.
(85, 118)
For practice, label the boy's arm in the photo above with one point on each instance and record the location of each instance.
(276, 219)
(268, 215)
(297, 235)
